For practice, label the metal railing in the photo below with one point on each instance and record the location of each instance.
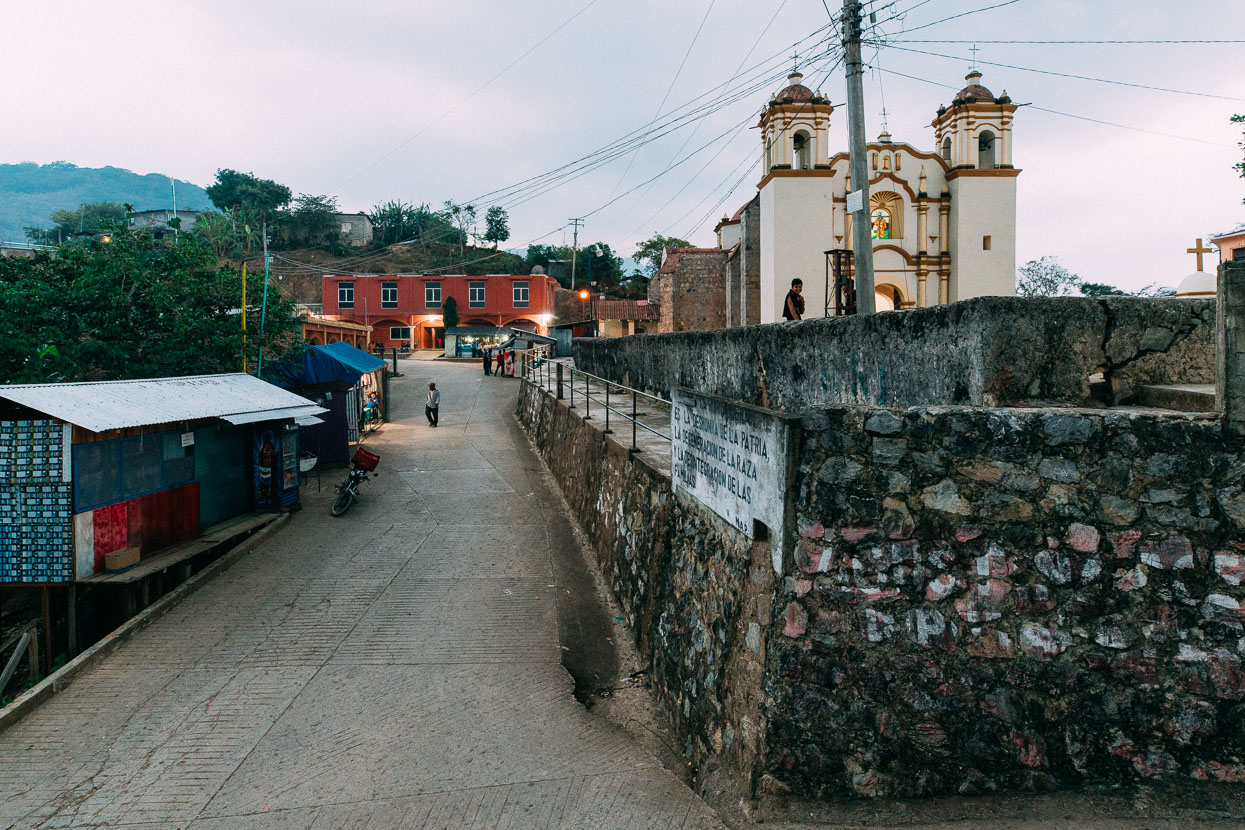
(560, 379)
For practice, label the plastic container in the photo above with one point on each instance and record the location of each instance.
(366, 460)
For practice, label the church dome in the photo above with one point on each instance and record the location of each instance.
(1198, 284)
(795, 91)
(974, 90)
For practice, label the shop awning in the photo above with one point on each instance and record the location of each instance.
(332, 363)
(296, 412)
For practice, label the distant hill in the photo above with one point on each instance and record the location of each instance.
(29, 192)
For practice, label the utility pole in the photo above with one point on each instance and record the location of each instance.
(244, 317)
(574, 248)
(173, 183)
(263, 308)
(858, 200)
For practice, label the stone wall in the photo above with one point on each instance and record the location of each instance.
(680, 575)
(986, 351)
(980, 599)
(997, 599)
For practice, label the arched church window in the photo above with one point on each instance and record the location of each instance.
(946, 149)
(985, 150)
(881, 224)
(769, 154)
(800, 148)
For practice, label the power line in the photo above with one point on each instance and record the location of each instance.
(945, 19)
(696, 129)
(1073, 42)
(464, 100)
(1070, 115)
(1076, 77)
(669, 89)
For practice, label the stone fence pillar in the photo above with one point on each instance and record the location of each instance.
(1230, 343)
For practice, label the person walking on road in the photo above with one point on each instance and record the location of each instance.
(501, 362)
(793, 305)
(488, 361)
(434, 403)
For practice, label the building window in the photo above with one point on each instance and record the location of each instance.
(946, 149)
(399, 332)
(432, 294)
(388, 295)
(107, 472)
(985, 243)
(521, 294)
(346, 226)
(475, 295)
(799, 155)
(345, 295)
(881, 224)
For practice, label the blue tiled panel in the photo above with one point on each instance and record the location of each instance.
(36, 519)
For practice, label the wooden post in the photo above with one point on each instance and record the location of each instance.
(72, 615)
(32, 652)
(47, 631)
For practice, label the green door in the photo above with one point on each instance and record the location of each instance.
(223, 468)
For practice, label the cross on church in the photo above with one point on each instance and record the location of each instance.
(974, 50)
(884, 129)
(795, 61)
(1198, 251)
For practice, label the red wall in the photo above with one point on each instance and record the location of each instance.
(150, 523)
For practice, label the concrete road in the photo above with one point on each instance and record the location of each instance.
(398, 667)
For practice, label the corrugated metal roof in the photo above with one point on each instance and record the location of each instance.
(118, 404)
(272, 414)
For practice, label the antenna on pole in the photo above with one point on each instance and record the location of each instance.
(574, 248)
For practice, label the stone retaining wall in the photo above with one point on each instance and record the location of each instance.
(999, 599)
(981, 352)
(979, 600)
(678, 572)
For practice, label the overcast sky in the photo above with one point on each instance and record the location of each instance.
(424, 101)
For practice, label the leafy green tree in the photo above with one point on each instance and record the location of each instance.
(394, 221)
(598, 263)
(462, 217)
(650, 252)
(497, 225)
(449, 312)
(85, 220)
(1101, 289)
(261, 198)
(1045, 277)
(130, 307)
(312, 220)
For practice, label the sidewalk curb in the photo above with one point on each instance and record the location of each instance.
(33, 697)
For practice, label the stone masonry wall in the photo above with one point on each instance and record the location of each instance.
(698, 291)
(679, 574)
(1010, 598)
(986, 351)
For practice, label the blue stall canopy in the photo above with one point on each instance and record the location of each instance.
(332, 363)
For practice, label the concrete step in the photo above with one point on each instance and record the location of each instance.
(1198, 397)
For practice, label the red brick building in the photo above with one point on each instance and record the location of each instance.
(405, 308)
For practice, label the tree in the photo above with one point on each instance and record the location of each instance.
(1045, 277)
(394, 221)
(130, 307)
(85, 220)
(449, 313)
(1240, 166)
(262, 198)
(462, 217)
(1101, 289)
(497, 225)
(651, 251)
(313, 219)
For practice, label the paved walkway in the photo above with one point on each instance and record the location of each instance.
(398, 667)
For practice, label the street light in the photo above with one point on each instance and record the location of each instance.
(586, 294)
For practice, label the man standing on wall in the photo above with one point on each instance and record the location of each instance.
(793, 305)
(434, 403)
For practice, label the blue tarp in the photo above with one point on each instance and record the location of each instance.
(333, 363)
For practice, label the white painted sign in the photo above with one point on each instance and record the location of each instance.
(188, 439)
(732, 459)
(855, 201)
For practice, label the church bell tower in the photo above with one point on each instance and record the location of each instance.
(974, 137)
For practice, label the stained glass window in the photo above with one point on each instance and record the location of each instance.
(881, 224)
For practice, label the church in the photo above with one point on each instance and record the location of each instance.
(943, 220)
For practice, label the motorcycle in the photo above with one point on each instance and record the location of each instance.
(363, 464)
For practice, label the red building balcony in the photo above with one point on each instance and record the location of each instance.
(407, 309)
